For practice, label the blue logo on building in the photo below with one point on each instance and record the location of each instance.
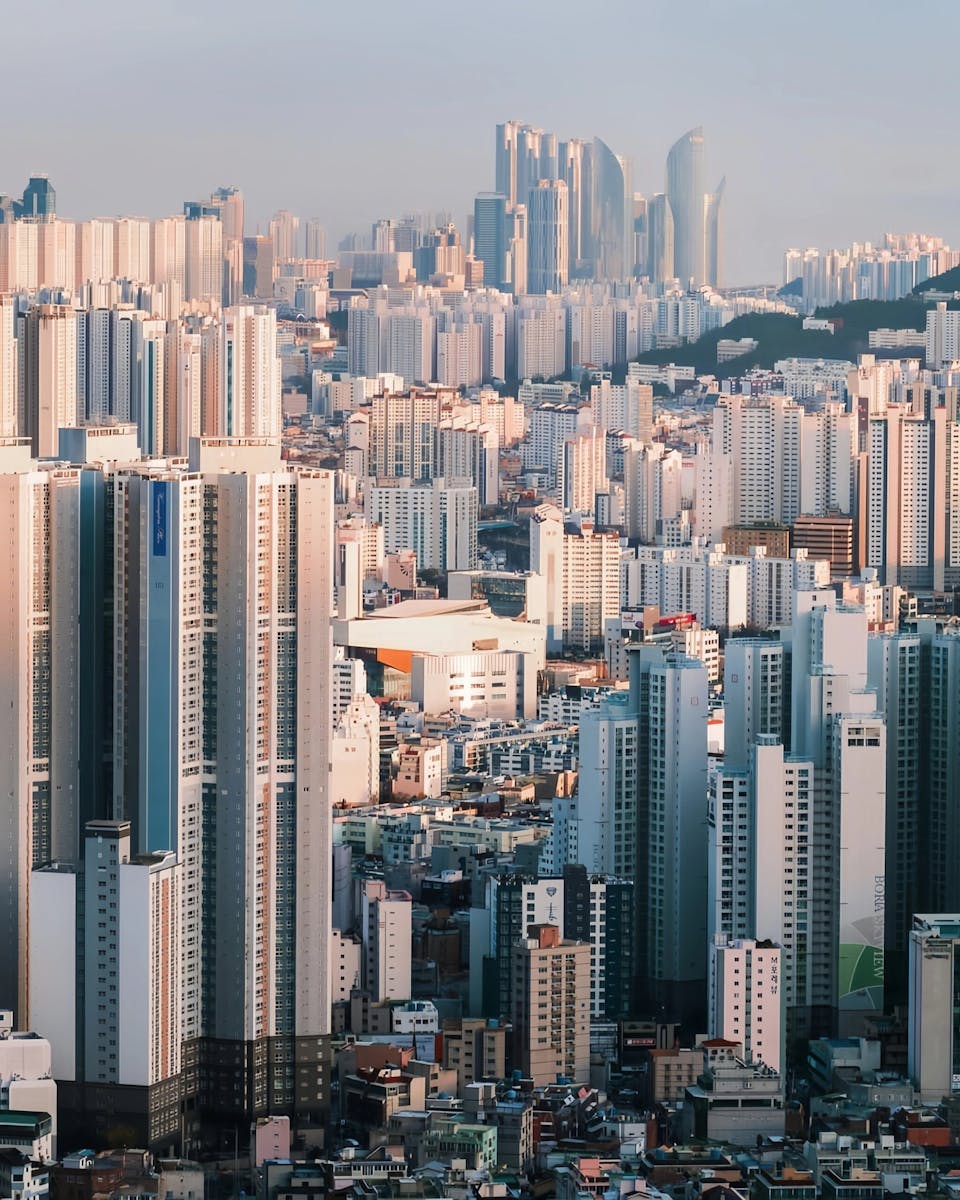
(160, 519)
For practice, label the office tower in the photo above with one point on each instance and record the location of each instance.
(573, 167)
(385, 926)
(259, 267)
(517, 249)
(39, 199)
(9, 408)
(685, 196)
(315, 240)
(524, 156)
(548, 266)
(437, 522)
(713, 233)
(39, 736)
(203, 259)
(229, 201)
(49, 380)
(506, 160)
(894, 672)
(440, 253)
(745, 998)
(551, 1030)
(250, 373)
(490, 237)
(611, 214)
(933, 1038)
(112, 996)
(285, 232)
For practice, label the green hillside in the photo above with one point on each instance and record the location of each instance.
(948, 281)
(782, 336)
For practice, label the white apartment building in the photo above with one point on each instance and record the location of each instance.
(541, 340)
(26, 1079)
(745, 998)
(385, 923)
(582, 572)
(9, 417)
(652, 488)
(582, 471)
(403, 435)
(438, 523)
(40, 746)
(355, 753)
(709, 583)
(48, 379)
(627, 407)
(346, 957)
(123, 913)
(249, 373)
(942, 336)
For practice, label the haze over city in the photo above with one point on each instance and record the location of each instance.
(479, 602)
(348, 113)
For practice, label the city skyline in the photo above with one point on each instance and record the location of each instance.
(416, 155)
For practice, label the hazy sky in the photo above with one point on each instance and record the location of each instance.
(832, 121)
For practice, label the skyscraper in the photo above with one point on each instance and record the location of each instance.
(9, 409)
(713, 233)
(39, 735)
(490, 237)
(660, 250)
(548, 262)
(49, 383)
(611, 203)
(250, 373)
(203, 258)
(39, 199)
(285, 231)
(686, 198)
